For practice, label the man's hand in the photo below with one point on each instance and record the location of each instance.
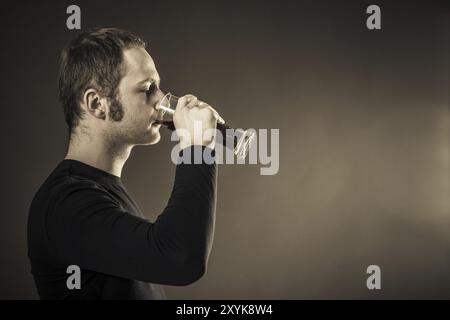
(192, 118)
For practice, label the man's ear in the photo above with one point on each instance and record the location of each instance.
(94, 103)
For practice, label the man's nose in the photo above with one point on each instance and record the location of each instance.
(161, 94)
(158, 97)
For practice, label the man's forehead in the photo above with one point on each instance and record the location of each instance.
(139, 65)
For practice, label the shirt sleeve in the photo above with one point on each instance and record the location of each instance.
(89, 229)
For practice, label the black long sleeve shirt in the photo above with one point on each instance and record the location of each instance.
(84, 216)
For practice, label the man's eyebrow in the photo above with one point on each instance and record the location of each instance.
(158, 81)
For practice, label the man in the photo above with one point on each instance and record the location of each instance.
(83, 216)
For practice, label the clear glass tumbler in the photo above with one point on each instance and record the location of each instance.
(236, 139)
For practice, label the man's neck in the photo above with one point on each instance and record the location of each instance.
(103, 155)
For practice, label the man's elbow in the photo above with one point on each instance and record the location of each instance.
(193, 270)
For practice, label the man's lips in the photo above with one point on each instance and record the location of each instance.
(157, 121)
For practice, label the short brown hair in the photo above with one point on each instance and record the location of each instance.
(93, 59)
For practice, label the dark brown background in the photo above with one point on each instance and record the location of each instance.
(364, 148)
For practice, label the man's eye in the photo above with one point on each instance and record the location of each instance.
(151, 90)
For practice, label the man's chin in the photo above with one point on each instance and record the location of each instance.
(156, 139)
(152, 137)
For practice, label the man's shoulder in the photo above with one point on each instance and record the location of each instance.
(61, 183)
(62, 178)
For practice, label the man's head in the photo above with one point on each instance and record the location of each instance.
(109, 86)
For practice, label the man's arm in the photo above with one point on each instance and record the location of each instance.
(88, 229)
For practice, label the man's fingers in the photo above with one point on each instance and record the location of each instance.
(216, 115)
(190, 101)
(189, 97)
(181, 103)
(187, 101)
(202, 105)
(192, 104)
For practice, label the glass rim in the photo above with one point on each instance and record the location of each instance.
(165, 104)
